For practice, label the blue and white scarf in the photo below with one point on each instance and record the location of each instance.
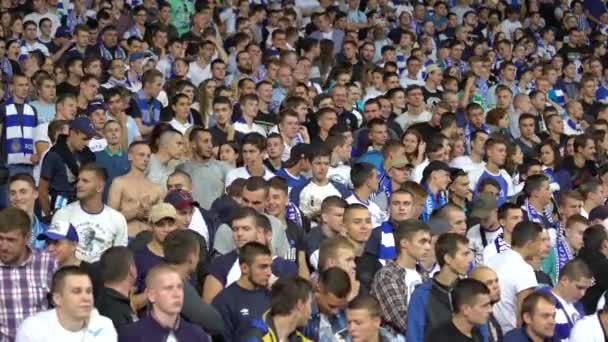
(563, 253)
(294, 214)
(387, 242)
(433, 201)
(148, 118)
(468, 131)
(575, 126)
(535, 216)
(20, 134)
(7, 67)
(72, 20)
(108, 56)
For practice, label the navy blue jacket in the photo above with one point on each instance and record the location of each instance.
(148, 330)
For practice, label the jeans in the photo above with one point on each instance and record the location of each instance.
(13, 170)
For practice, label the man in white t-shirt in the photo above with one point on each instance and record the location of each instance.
(74, 318)
(309, 195)
(516, 276)
(365, 180)
(253, 146)
(99, 226)
(591, 328)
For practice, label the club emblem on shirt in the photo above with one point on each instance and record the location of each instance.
(244, 312)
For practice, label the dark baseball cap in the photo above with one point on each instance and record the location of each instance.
(599, 213)
(297, 153)
(93, 106)
(63, 32)
(84, 125)
(180, 199)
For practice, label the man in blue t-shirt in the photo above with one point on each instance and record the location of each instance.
(247, 298)
(247, 226)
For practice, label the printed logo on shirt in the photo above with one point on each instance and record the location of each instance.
(244, 312)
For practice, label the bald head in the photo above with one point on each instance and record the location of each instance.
(489, 277)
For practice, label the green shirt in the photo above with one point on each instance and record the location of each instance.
(181, 12)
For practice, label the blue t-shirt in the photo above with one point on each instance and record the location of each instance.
(238, 306)
(504, 186)
(291, 180)
(220, 267)
(116, 165)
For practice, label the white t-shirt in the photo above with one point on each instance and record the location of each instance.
(405, 120)
(41, 133)
(466, 164)
(340, 174)
(417, 172)
(180, 127)
(412, 280)
(242, 172)
(588, 329)
(476, 241)
(313, 195)
(377, 214)
(515, 275)
(96, 231)
(44, 326)
(197, 74)
(97, 144)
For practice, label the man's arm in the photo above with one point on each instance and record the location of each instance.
(303, 270)
(211, 288)
(43, 196)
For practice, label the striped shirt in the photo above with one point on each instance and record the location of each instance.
(23, 290)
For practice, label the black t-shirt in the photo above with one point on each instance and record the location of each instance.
(115, 306)
(431, 98)
(219, 137)
(579, 175)
(448, 332)
(66, 88)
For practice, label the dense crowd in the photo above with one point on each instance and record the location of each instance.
(303, 170)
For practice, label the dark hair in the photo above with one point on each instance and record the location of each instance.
(333, 202)
(336, 281)
(407, 229)
(58, 281)
(14, 219)
(318, 151)
(534, 183)
(99, 171)
(576, 269)
(255, 139)
(251, 250)
(360, 173)
(287, 292)
(115, 263)
(594, 237)
(503, 210)
(366, 302)
(24, 177)
(531, 301)
(243, 213)
(524, 232)
(279, 183)
(179, 245)
(447, 244)
(465, 292)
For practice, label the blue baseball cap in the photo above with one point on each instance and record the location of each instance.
(84, 125)
(63, 32)
(93, 106)
(60, 230)
(136, 55)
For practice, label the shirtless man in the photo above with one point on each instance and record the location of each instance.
(133, 194)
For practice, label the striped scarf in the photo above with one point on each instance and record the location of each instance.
(563, 253)
(108, 56)
(147, 117)
(433, 201)
(387, 242)
(20, 134)
(72, 19)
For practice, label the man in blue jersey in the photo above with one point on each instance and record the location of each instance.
(496, 154)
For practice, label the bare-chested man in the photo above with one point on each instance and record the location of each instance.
(133, 194)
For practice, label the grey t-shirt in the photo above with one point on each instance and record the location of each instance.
(200, 313)
(224, 243)
(208, 179)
